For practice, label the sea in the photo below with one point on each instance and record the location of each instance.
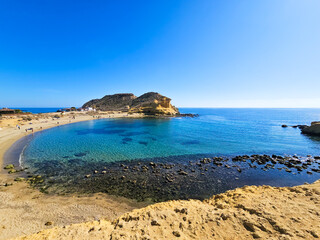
(38, 110)
(67, 153)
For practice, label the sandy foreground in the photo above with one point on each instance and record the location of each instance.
(244, 213)
(24, 210)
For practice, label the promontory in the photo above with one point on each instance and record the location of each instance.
(150, 103)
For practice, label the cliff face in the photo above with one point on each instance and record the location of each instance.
(314, 129)
(153, 103)
(149, 103)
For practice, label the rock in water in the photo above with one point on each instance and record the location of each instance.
(150, 103)
(314, 129)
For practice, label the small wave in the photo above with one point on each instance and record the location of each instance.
(21, 155)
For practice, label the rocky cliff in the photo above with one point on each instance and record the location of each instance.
(116, 102)
(149, 103)
(314, 129)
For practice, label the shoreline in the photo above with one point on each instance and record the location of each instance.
(32, 209)
(6, 143)
(25, 209)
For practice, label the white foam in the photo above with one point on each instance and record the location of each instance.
(21, 155)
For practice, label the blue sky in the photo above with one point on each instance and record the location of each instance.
(202, 53)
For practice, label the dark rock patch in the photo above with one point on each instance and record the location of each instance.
(143, 143)
(81, 154)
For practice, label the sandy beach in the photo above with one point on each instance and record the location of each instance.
(25, 210)
(244, 213)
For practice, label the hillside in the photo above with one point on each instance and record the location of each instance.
(149, 103)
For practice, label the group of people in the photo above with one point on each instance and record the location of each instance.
(27, 129)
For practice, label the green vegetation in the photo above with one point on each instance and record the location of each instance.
(17, 111)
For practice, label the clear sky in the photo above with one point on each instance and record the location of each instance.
(201, 53)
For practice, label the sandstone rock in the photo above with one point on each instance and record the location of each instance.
(251, 212)
(153, 103)
(149, 103)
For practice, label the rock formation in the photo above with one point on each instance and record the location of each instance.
(247, 213)
(314, 129)
(150, 103)
(116, 102)
(153, 103)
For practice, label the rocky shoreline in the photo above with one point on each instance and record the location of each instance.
(312, 130)
(156, 180)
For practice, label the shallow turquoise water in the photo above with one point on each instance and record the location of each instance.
(143, 158)
(215, 131)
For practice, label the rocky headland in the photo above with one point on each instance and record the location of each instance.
(314, 129)
(150, 103)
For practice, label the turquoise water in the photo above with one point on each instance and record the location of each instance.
(215, 131)
(162, 159)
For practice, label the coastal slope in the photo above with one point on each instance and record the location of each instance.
(251, 212)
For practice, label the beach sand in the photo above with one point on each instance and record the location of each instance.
(245, 213)
(24, 210)
(250, 212)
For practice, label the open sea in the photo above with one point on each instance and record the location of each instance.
(37, 110)
(64, 155)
